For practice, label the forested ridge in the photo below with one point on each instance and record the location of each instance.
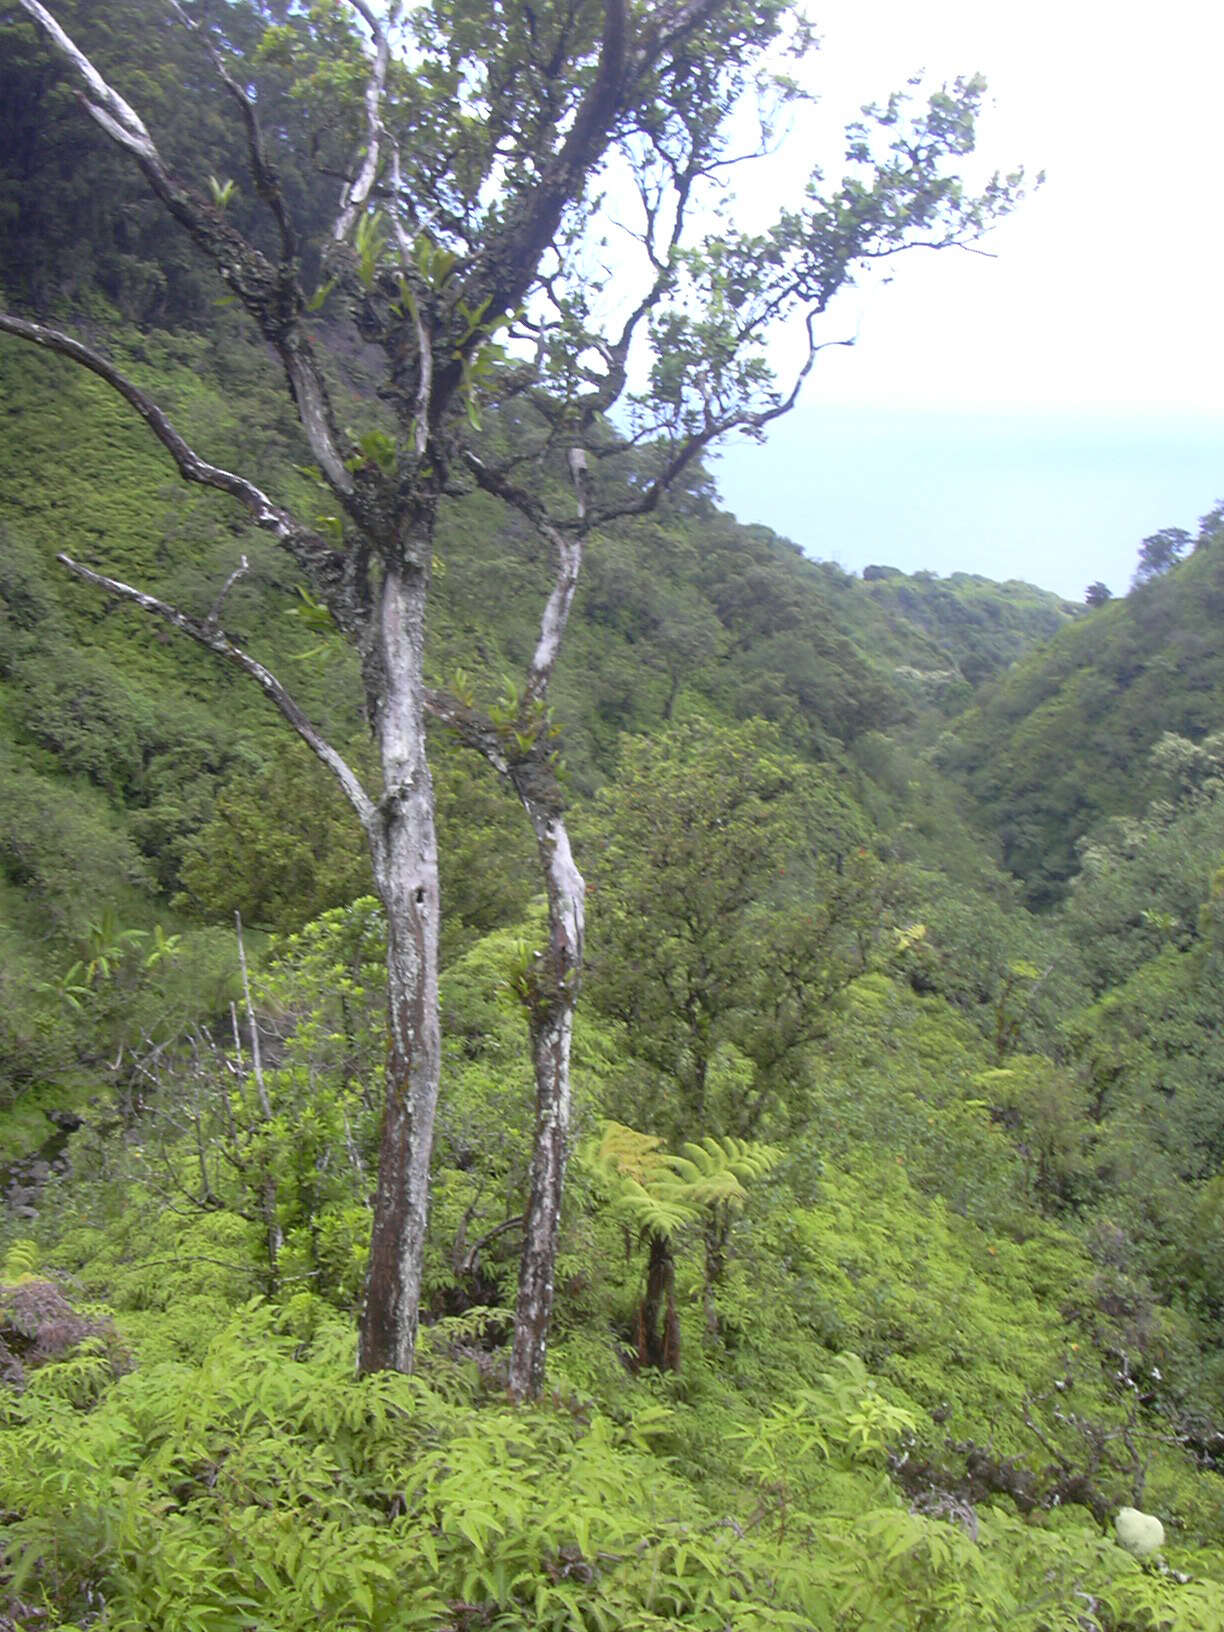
(889, 1270)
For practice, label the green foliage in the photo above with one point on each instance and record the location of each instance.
(1063, 739)
(658, 1193)
(1144, 880)
(1160, 552)
(972, 942)
(996, 1177)
(281, 846)
(759, 1487)
(983, 627)
(77, 216)
(843, 1416)
(370, 243)
(728, 911)
(63, 851)
(262, 1480)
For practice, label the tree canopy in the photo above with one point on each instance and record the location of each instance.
(733, 899)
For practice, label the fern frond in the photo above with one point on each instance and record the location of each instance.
(718, 1189)
(700, 1159)
(658, 1193)
(20, 1261)
(625, 1151)
(662, 1210)
(725, 1166)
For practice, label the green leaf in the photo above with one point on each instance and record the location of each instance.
(316, 301)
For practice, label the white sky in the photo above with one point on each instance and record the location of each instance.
(1095, 339)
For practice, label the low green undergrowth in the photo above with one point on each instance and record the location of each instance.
(262, 1485)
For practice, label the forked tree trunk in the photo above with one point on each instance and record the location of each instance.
(405, 857)
(551, 1022)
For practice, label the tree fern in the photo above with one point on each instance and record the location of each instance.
(659, 1193)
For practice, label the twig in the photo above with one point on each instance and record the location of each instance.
(265, 1104)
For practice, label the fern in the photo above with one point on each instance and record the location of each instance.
(659, 1193)
(20, 1261)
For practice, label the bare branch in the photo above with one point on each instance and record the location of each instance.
(495, 481)
(669, 26)
(716, 427)
(266, 182)
(356, 193)
(327, 568)
(465, 1261)
(270, 294)
(608, 392)
(473, 729)
(556, 612)
(265, 1104)
(511, 258)
(218, 606)
(218, 641)
(118, 119)
(424, 396)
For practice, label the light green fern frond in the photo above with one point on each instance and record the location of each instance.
(659, 1193)
(709, 1189)
(664, 1209)
(624, 1152)
(20, 1262)
(720, 1169)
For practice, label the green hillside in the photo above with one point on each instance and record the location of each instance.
(1062, 740)
(983, 626)
(889, 1280)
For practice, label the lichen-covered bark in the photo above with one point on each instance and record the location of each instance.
(551, 1019)
(405, 856)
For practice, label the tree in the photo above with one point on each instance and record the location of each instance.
(472, 147)
(733, 901)
(1160, 552)
(656, 1195)
(735, 898)
(1098, 593)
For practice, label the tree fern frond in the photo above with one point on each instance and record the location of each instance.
(719, 1189)
(625, 1151)
(659, 1193)
(661, 1210)
(701, 1158)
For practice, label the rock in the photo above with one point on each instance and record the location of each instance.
(1140, 1533)
(68, 1120)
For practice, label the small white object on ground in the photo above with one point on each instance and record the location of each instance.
(1139, 1533)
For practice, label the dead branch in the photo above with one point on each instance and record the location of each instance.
(218, 641)
(326, 568)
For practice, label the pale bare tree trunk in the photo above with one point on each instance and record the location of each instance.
(551, 991)
(405, 856)
(551, 1020)
(267, 1183)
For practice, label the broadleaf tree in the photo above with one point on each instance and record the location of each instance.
(466, 245)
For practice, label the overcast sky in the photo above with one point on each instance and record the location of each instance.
(1033, 415)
